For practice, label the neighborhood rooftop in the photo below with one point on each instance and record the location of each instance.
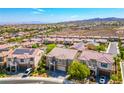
(63, 53)
(24, 51)
(100, 57)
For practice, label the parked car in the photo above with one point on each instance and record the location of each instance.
(27, 72)
(102, 79)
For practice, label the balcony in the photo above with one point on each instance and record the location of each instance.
(92, 67)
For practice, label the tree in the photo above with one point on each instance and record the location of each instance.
(119, 43)
(41, 66)
(122, 54)
(50, 47)
(116, 61)
(78, 71)
(114, 77)
(35, 46)
(101, 47)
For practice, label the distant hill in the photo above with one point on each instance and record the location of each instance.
(106, 19)
(96, 20)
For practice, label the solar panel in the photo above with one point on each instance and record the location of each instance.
(23, 51)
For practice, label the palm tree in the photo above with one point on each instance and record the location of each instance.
(116, 61)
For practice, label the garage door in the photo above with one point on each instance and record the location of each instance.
(61, 68)
(22, 68)
(104, 73)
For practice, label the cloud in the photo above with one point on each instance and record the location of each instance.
(38, 11)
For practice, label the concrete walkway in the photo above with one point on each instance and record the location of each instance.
(122, 70)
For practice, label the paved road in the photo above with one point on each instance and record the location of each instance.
(113, 48)
(31, 81)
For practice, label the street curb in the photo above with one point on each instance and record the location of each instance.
(108, 47)
(122, 73)
(53, 80)
(117, 49)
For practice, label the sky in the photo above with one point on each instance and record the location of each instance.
(52, 15)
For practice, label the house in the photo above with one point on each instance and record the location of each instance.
(1, 39)
(78, 46)
(49, 40)
(68, 41)
(23, 58)
(27, 44)
(4, 51)
(60, 58)
(99, 63)
(101, 41)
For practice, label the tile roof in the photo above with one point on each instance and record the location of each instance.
(62, 53)
(23, 53)
(3, 46)
(100, 57)
(79, 46)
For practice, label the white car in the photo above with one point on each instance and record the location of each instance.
(27, 72)
(102, 80)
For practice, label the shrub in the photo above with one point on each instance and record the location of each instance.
(35, 46)
(78, 71)
(91, 47)
(50, 47)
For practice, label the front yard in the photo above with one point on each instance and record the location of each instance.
(3, 74)
(40, 71)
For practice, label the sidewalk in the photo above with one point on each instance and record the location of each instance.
(122, 71)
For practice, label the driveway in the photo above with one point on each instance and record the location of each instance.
(18, 74)
(98, 78)
(57, 74)
(113, 48)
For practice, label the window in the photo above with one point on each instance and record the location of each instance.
(104, 65)
(61, 62)
(22, 60)
(9, 59)
(90, 64)
(31, 59)
(1, 59)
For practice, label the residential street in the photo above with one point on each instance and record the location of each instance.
(31, 80)
(112, 48)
